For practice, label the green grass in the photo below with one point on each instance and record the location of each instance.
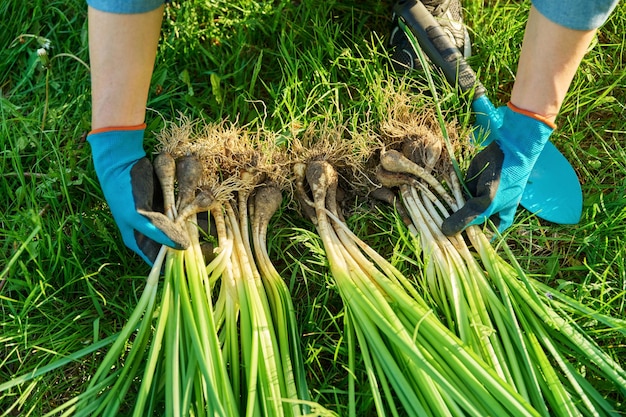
(67, 280)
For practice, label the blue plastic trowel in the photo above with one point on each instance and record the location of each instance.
(553, 190)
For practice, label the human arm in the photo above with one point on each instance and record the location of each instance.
(122, 49)
(549, 59)
(550, 56)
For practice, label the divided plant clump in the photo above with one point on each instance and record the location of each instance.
(529, 334)
(413, 362)
(223, 338)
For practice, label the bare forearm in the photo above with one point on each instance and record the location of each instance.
(548, 62)
(122, 50)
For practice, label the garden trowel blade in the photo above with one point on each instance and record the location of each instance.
(553, 190)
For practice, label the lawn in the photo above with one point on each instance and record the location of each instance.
(66, 278)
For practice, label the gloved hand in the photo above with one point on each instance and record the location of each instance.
(127, 180)
(498, 174)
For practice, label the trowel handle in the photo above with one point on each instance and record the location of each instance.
(437, 45)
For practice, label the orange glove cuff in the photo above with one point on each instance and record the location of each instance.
(109, 129)
(535, 116)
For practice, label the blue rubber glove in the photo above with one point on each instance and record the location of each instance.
(498, 174)
(488, 120)
(127, 180)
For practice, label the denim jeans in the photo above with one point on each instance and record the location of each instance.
(573, 14)
(576, 14)
(125, 6)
